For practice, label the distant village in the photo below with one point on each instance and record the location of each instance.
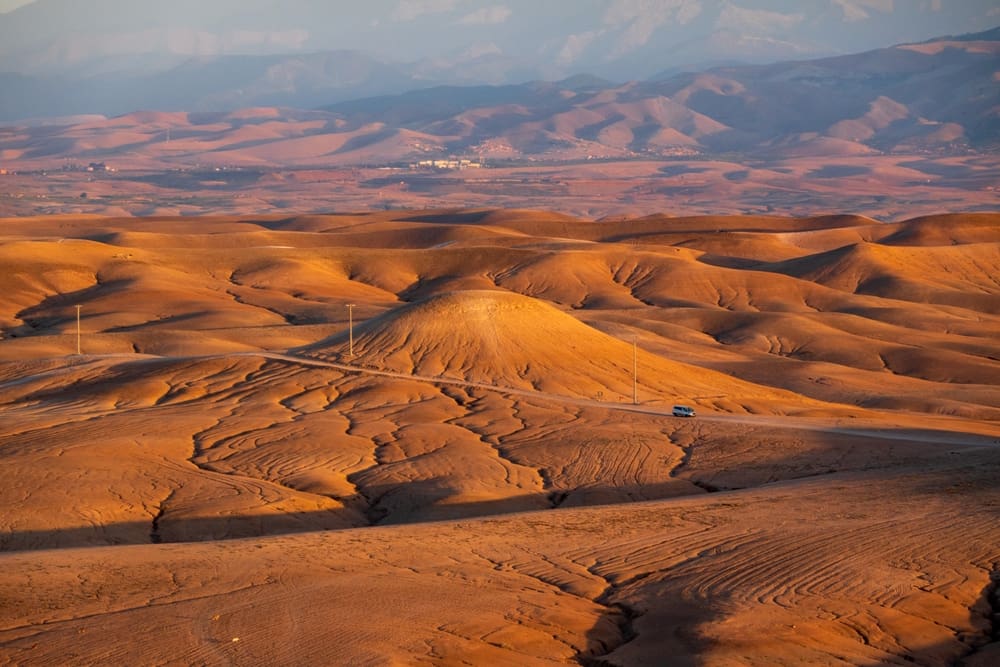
(92, 167)
(448, 164)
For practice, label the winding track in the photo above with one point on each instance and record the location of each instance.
(754, 571)
(989, 434)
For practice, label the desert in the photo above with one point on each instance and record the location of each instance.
(468, 332)
(445, 437)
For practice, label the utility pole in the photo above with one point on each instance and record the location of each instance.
(350, 326)
(635, 372)
(78, 330)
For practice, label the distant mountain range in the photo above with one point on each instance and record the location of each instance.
(64, 57)
(933, 96)
(909, 97)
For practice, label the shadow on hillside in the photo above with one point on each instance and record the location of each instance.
(670, 634)
(451, 217)
(875, 451)
(977, 649)
(395, 505)
(650, 622)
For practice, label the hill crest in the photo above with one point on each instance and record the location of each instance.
(511, 340)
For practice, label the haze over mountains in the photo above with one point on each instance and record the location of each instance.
(116, 56)
(933, 95)
(911, 96)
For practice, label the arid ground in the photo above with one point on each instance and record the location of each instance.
(889, 187)
(272, 161)
(443, 437)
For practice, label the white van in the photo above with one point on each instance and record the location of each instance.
(683, 411)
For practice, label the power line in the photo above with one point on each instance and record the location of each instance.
(350, 327)
(78, 329)
(635, 372)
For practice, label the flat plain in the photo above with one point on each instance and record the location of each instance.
(444, 437)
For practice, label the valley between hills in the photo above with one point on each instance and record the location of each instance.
(893, 133)
(444, 436)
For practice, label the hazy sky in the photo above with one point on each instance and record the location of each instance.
(111, 56)
(556, 36)
(495, 12)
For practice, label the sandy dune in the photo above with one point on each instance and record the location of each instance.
(493, 476)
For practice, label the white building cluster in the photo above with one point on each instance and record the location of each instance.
(448, 164)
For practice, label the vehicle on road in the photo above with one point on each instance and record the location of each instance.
(683, 411)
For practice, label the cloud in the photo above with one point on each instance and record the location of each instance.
(640, 19)
(687, 12)
(408, 10)
(480, 50)
(636, 35)
(487, 16)
(658, 12)
(575, 45)
(756, 21)
(858, 10)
